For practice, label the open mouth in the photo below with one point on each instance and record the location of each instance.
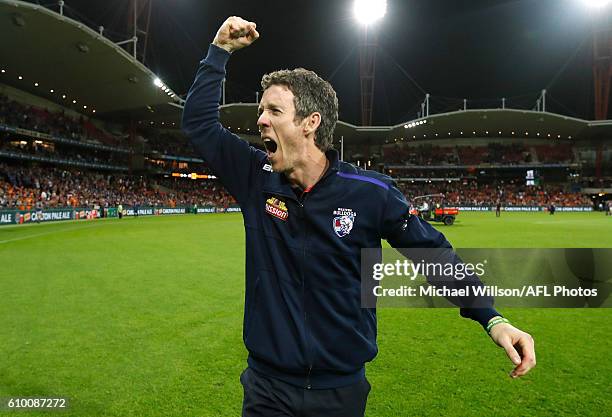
(270, 145)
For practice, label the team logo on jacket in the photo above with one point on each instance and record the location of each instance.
(277, 208)
(343, 221)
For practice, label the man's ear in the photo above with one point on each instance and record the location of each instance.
(312, 122)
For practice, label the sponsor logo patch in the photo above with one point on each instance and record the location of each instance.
(343, 221)
(277, 208)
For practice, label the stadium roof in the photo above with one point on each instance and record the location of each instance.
(53, 52)
(463, 123)
(87, 67)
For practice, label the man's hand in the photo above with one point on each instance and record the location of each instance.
(519, 347)
(235, 33)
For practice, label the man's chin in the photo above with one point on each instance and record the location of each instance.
(280, 168)
(275, 165)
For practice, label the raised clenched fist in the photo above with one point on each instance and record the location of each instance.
(235, 33)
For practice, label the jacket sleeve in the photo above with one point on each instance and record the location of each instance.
(232, 159)
(403, 230)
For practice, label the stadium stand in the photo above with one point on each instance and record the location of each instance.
(474, 194)
(491, 153)
(554, 153)
(121, 143)
(15, 114)
(164, 143)
(23, 186)
(50, 185)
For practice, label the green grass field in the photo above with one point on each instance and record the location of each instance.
(143, 317)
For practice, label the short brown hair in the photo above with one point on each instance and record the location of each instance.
(311, 94)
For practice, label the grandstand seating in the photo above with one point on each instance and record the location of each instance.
(28, 184)
(59, 124)
(167, 144)
(475, 194)
(15, 114)
(554, 153)
(491, 153)
(21, 187)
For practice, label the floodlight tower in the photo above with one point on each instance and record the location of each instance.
(139, 17)
(367, 12)
(602, 65)
(602, 55)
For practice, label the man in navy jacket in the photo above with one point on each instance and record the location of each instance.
(307, 216)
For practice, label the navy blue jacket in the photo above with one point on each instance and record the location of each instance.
(303, 321)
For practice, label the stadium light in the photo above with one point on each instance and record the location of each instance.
(3, 71)
(369, 11)
(20, 77)
(596, 4)
(158, 82)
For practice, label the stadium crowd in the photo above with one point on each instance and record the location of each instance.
(472, 193)
(167, 144)
(60, 124)
(493, 153)
(15, 114)
(27, 187)
(42, 148)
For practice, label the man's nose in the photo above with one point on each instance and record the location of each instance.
(263, 121)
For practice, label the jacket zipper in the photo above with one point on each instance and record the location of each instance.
(309, 359)
(302, 202)
(309, 355)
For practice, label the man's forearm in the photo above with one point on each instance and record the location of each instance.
(229, 157)
(476, 307)
(201, 111)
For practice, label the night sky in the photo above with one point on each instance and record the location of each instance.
(480, 50)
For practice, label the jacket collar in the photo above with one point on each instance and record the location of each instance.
(277, 183)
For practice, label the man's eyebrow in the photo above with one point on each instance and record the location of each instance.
(273, 106)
